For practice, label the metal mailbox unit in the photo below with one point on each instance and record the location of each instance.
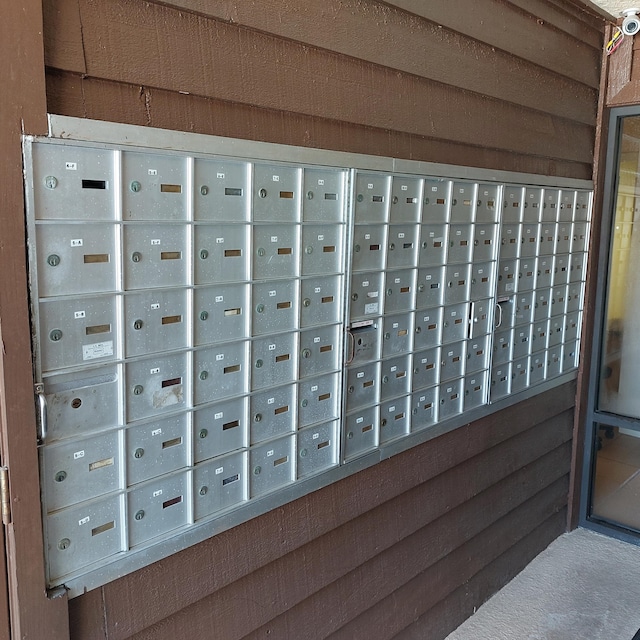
(221, 326)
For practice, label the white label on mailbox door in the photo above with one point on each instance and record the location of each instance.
(219, 470)
(219, 298)
(320, 182)
(153, 172)
(77, 242)
(155, 306)
(71, 166)
(219, 357)
(316, 436)
(318, 289)
(274, 238)
(219, 240)
(79, 314)
(78, 454)
(156, 432)
(370, 186)
(154, 371)
(155, 242)
(404, 187)
(97, 350)
(316, 340)
(84, 521)
(270, 453)
(276, 178)
(272, 347)
(321, 237)
(372, 307)
(314, 388)
(220, 176)
(157, 493)
(273, 294)
(271, 400)
(219, 415)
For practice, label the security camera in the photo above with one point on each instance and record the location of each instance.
(631, 22)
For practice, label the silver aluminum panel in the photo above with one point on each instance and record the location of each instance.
(489, 203)
(578, 267)
(220, 313)
(272, 413)
(324, 195)
(475, 390)
(548, 238)
(155, 256)
(482, 280)
(365, 343)
(574, 296)
(369, 243)
(533, 204)
(428, 328)
(570, 354)
(276, 251)
(561, 269)
(544, 271)
(273, 360)
(559, 300)
(318, 449)
(363, 385)
(434, 239)
(221, 253)
(73, 183)
(521, 341)
(320, 350)
(220, 371)
(484, 242)
(397, 334)
(555, 331)
(79, 331)
(463, 202)
(564, 237)
(580, 240)
(507, 277)
(402, 245)
(550, 207)
(583, 206)
(506, 312)
(451, 395)
(395, 377)
(276, 193)
(455, 323)
(367, 294)
(220, 484)
(436, 200)
(81, 536)
(156, 386)
(502, 346)
(567, 202)
(322, 249)
(158, 506)
(537, 367)
(361, 432)
(221, 190)
(406, 199)
(431, 286)
(318, 399)
(513, 204)
(458, 283)
(78, 470)
(156, 321)
(400, 290)
(220, 428)
(271, 466)
(424, 408)
(572, 326)
(481, 318)
(154, 187)
(395, 421)
(478, 352)
(452, 360)
(274, 307)
(539, 336)
(530, 240)
(460, 243)
(500, 381)
(542, 304)
(525, 305)
(519, 375)
(554, 362)
(81, 402)
(526, 274)
(510, 240)
(156, 448)
(426, 368)
(74, 259)
(321, 301)
(372, 195)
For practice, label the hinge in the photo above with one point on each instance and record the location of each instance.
(5, 498)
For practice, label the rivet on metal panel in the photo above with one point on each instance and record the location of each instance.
(138, 324)
(135, 186)
(204, 254)
(204, 190)
(51, 182)
(61, 476)
(137, 390)
(138, 453)
(203, 433)
(55, 335)
(65, 543)
(139, 514)
(204, 315)
(53, 260)
(136, 256)
(204, 375)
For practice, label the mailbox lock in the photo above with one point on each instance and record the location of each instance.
(309, 195)
(260, 308)
(204, 315)
(303, 453)
(138, 453)
(394, 200)
(203, 434)
(414, 412)
(351, 388)
(136, 256)
(262, 193)
(137, 390)
(306, 353)
(135, 186)
(392, 246)
(261, 252)
(421, 288)
(354, 296)
(61, 476)
(350, 435)
(389, 292)
(55, 335)
(203, 490)
(383, 423)
(416, 371)
(306, 302)
(259, 364)
(387, 336)
(204, 254)
(53, 260)
(360, 197)
(138, 324)
(304, 402)
(308, 250)
(418, 329)
(385, 379)
(426, 200)
(204, 375)
(356, 248)
(139, 514)
(51, 182)
(204, 190)
(425, 245)
(65, 543)
(257, 417)
(257, 471)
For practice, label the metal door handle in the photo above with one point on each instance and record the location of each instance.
(42, 413)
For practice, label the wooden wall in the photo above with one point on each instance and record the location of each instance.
(407, 548)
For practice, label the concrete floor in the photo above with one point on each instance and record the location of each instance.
(584, 586)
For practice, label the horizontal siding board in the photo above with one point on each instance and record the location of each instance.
(322, 557)
(384, 618)
(387, 36)
(184, 52)
(73, 95)
(430, 544)
(509, 28)
(63, 47)
(448, 614)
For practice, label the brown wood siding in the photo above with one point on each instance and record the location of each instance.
(407, 548)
